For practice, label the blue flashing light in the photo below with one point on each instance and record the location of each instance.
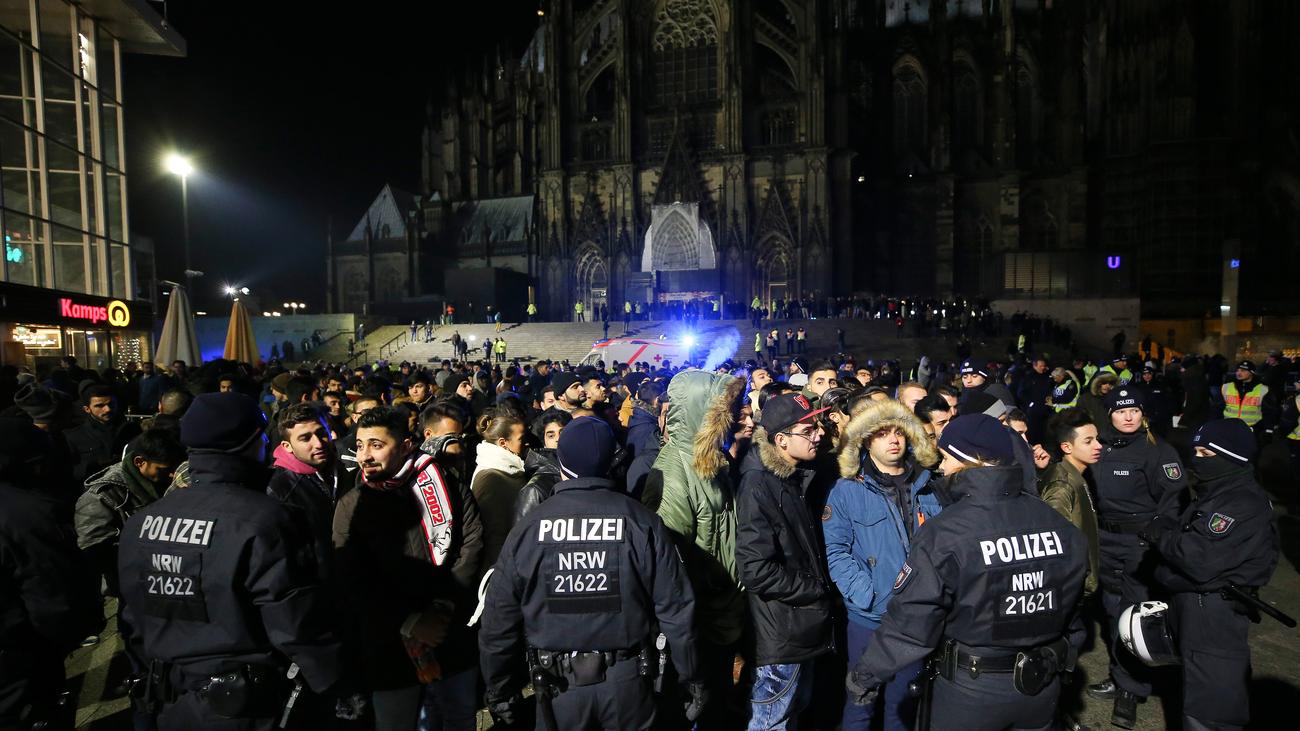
(688, 340)
(1234, 263)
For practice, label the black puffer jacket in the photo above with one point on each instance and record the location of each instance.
(781, 559)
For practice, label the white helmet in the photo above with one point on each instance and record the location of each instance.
(1146, 629)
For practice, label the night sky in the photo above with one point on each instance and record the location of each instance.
(291, 116)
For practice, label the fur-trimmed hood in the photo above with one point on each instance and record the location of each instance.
(700, 418)
(769, 456)
(1100, 380)
(875, 416)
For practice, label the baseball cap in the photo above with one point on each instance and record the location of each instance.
(969, 367)
(784, 411)
(1247, 365)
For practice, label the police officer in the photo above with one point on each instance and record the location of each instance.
(219, 587)
(1156, 404)
(1243, 398)
(1225, 537)
(576, 591)
(1065, 389)
(1136, 472)
(992, 582)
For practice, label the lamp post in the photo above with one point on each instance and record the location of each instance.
(233, 291)
(180, 166)
(295, 306)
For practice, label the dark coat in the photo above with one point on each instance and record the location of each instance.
(311, 496)
(781, 560)
(97, 445)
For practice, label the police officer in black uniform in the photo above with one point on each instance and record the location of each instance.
(993, 584)
(1225, 537)
(576, 592)
(1137, 471)
(219, 587)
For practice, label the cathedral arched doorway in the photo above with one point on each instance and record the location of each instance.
(593, 282)
(776, 278)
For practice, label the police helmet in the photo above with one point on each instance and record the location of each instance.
(1146, 629)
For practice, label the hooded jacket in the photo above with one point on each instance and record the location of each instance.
(697, 503)
(498, 478)
(779, 555)
(642, 430)
(867, 536)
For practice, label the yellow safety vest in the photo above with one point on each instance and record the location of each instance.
(1246, 408)
(1124, 376)
(1074, 401)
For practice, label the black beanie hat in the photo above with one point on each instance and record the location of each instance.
(1229, 438)
(562, 380)
(586, 448)
(39, 403)
(453, 382)
(980, 402)
(224, 422)
(977, 437)
(21, 443)
(1123, 398)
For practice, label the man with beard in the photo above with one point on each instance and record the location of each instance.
(570, 394)
(117, 492)
(309, 476)
(397, 537)
(98, 441)
(219, 586)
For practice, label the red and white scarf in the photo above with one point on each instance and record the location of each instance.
(421, 475)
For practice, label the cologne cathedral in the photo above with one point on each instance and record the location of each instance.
(660, 150)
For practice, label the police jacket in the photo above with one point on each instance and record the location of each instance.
(49, 600)
(1066, 393)
(589, 569)
(1132, 478)
(219, 574)
(997, 571)
(780, 559)
(1226, 535)
(311, 495)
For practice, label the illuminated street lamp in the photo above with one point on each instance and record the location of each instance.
(295, 306)
(180, 166)
(233, 291)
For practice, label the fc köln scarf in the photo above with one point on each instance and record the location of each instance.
(435, 503)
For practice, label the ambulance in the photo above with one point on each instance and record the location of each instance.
(637, 350)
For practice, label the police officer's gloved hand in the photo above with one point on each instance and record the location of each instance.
(1157, 527)
(698, 698)
(858, 689)
(350, 707)
(504, 711)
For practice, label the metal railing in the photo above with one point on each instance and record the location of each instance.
(402, 336)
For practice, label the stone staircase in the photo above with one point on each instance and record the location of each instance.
(865, 339)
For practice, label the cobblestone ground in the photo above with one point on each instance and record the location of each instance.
(97, 671)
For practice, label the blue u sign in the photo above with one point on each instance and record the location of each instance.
(1112, 262)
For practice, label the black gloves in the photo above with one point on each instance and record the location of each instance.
(858, 691)
(504, 712)
(1157, 527)
(698, 698)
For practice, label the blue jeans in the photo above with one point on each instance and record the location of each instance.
(451, 704)
(899, 709)
(780, 694)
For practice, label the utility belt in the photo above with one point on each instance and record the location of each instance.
(558, 670)
(1129, 525)
(243, 691)
(1032, 669)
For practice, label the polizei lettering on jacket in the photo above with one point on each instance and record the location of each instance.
(579, 530)
(191, 531)
(1012, 549)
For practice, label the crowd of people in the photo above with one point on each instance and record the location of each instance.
(769, 544)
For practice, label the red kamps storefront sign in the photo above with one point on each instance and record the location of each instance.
(115, 313)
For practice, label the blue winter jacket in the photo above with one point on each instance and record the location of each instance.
(867, 540)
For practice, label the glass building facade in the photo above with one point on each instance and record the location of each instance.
(63, 177)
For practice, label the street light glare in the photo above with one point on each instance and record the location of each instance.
(229, 289)
(179, 165)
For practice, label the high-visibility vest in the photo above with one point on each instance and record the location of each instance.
(757, 304)
(501, 345)
(627, 306)
(1295, 433)
(1246, 408)
(1060, 390)
(1125, 376)
(532, 308)
(1089, 370)
(577, 307)
(758, 342)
